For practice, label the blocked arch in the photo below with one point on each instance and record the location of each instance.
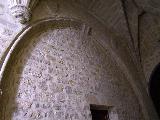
(21, 42)
(38, 26)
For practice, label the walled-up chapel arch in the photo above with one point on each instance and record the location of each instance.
(19, 100)
(74, 57)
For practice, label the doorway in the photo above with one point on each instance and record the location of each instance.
(154, 88)
(99, 112)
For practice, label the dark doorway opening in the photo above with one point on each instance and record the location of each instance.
(155, 88)
(99, 112)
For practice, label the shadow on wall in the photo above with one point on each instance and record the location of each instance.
(154, 88)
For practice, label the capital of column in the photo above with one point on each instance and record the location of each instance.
(21, 9)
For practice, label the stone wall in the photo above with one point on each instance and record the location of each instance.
(58, 73)
(55, 71)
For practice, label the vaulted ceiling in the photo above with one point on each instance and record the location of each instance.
(135, 20)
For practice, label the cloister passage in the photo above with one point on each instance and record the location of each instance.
(155, 88)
